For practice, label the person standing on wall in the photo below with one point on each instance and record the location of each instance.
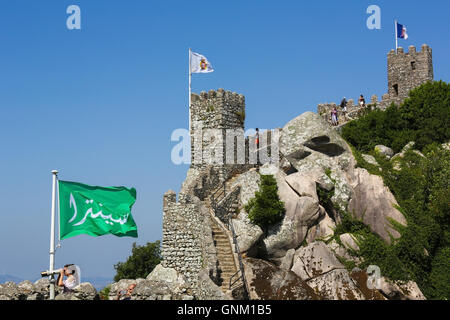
(344, 107)
(362, 101)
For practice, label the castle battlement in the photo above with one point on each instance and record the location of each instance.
(217, 94)
(425, 49)
(405, 71)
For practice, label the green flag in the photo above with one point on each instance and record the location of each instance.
(95, 211)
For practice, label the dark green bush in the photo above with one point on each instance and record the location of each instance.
(424, 118)
(421, 187)
(266, 208)
(142, 261)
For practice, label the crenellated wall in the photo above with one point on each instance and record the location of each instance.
(405, 71)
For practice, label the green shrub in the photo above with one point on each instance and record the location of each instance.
(424, 117)
(104, 293)
(266, 208)
(422, 189)
(142, 261)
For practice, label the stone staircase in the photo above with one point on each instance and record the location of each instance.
(226, 264)
(229, 270)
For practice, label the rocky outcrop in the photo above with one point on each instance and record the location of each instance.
(268, 282)
(248, 234)
(314, 260)
(26, 290)
(400, 291)
(84, 291)
(374, 204)
(385, 151)
(302, 212)
(319, 267)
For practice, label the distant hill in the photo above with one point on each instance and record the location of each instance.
(7, 277)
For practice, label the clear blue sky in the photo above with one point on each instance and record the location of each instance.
(99, 104)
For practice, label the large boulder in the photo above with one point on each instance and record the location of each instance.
(268, 282)
(303, 184)
(10, 291)
(349, 241)
(319, 267)
(321, 156)
(249, 183)
(323, 230)
(336, 285)
(208, 290)
(160, 273)
(302, 212)
(400, 291)
(385, 151)
(374, 204)
(314, 260)
(309, 132)
(248, 234)
(84, 291)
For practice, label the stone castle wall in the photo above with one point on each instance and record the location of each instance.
(405, 71)
(187, 244)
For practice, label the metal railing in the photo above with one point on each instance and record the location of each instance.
(241, 265)
(216, 197)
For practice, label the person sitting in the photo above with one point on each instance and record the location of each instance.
(362, 101)
(126, 294)
(69, 283)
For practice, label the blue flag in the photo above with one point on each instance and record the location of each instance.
(401, 31)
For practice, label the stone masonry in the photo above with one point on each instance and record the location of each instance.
(182, 243)
(405, 71)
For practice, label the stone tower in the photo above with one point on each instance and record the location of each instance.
(212, 113)
(407, 71)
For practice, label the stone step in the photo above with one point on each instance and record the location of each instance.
(223, 245)
(227, 264)
(220, 236)
(223, 261)
(224, 253)
(223, 242)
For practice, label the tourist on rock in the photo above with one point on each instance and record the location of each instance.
(344, 107)
(362, 101)
(334, 117)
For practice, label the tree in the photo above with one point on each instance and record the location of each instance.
(142, 261)
(266, 208)
(424, 117)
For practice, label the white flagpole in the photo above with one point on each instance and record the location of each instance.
(396, 37)
(190, 77)
(52, 236)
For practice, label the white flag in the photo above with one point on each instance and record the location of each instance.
(199, 64)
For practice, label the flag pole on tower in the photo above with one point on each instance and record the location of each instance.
(396, 36)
